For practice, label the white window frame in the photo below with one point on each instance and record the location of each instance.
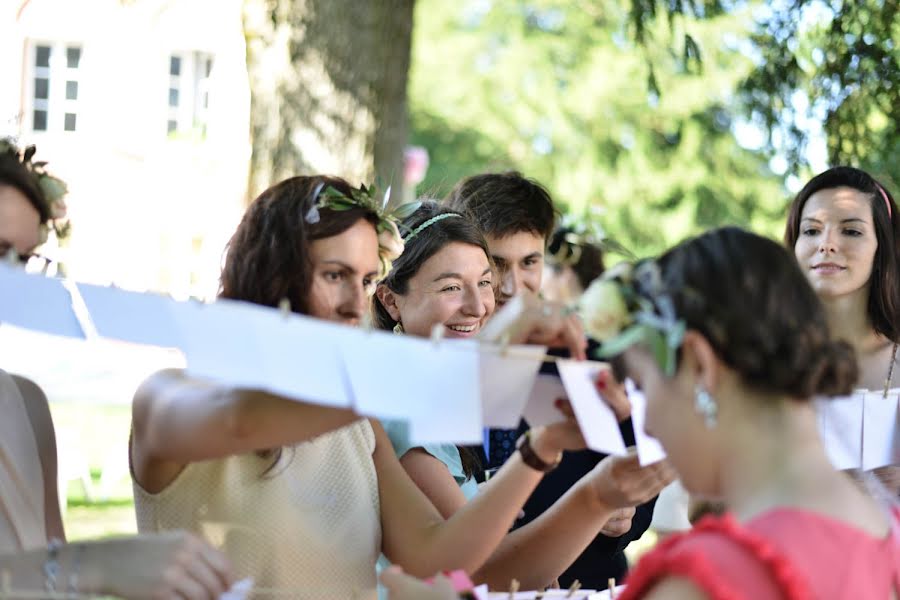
(189, 115)
(57, 74)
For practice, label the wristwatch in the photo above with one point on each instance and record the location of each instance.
(531, 458)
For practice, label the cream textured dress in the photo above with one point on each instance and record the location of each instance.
(310, 527)
(22, 524)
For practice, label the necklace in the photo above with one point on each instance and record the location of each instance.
(890, 373)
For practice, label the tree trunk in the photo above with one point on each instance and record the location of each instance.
(328, 88)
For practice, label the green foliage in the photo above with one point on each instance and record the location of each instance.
(558, 89)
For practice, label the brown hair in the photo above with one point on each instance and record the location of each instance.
(747, 295)
(268, 256)
(15, 173)
(884, 294)
(503, 204)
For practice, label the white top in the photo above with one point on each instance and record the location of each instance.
(309, 527)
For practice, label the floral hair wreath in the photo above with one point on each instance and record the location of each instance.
(585, 231)
(390, 242)
(53, 189)
(628, 305)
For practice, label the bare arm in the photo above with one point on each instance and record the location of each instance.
(177, 420)
(38, 409)
(420, 541)
(169, 565)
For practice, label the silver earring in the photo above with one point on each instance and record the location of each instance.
(706, 407)
(398, 328)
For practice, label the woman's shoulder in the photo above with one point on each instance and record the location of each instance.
(722, 558)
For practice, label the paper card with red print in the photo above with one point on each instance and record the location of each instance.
(595, 418)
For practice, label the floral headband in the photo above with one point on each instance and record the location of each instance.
(53, 189)
(628, 305)
(390, 242)
(584, 232)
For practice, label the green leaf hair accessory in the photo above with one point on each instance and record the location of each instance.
(629, 305)
(390, 242)
(425, 225)
(53, 189)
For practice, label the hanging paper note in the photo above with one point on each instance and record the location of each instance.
(506, 381)
(540, 409)
(597, 420)
(648, 448)
(36, 302)
(140, 318)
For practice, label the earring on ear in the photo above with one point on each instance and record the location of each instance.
(705, 406)
(398, 328)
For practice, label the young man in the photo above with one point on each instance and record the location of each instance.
(517, 217)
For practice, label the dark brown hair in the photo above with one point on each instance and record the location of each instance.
(884, 294)
(268, 257)
(14, 173)
(416, 252)
(503, 204)
(747, 295)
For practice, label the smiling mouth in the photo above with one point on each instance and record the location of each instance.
(462, 328)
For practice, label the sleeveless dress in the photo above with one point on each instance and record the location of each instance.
(22, 523)
(309, 527)
(783, 554)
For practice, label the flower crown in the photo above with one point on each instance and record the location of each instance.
(628, 305)
(52, 189)
(390, 242)
(585, 231)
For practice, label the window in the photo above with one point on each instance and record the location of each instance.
(188, 100)
(54, 90)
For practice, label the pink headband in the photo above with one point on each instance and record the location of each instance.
(887, 202)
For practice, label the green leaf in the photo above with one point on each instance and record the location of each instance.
(623, 341)
(406, 210)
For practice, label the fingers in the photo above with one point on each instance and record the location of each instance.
(613, 393)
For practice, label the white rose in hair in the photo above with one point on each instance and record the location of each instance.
(390, 242)
(603, 310)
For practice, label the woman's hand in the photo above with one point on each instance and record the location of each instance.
(621, 481)
(527, 319)
(174, 564)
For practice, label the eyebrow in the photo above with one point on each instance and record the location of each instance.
(456, 275)
(850, 220)
(534, 255)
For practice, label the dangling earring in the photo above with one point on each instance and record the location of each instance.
(706, 407)
(398, 328)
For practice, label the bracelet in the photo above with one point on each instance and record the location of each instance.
(531, 458)
(51, 565)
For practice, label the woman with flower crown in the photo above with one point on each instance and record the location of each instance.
(729, 344)
(845, 232)
(34, 560)
(304, 498)
(444, 278)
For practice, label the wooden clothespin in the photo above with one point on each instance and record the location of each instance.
(576, 585)
(437, 334)
(513, 588)
(284, 305)
(611, 584)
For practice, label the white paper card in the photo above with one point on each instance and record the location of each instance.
(648, 448)
(506, 381)
(132, 316)
(841, 427)
(435, 387)
(300, 358)
(596, 419)
(881, 444)
(539, 409)
(36, 302)
(219, 342)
